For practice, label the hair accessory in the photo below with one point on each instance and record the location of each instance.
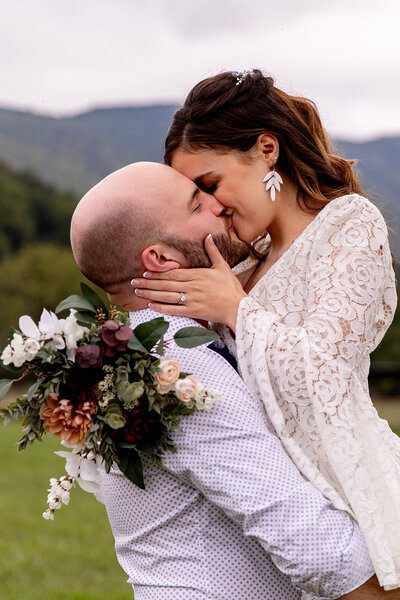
(240, 76)
(274, 181)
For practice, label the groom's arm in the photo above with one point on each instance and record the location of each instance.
(232, 458)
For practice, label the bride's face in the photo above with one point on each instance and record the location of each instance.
(235, 182)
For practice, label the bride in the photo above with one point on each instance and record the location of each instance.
(304, 312)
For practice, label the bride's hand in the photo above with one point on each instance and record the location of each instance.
(210, 294)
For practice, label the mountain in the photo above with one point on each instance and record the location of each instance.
(379, 169)
(73, 153)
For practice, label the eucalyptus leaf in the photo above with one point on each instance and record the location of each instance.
(5, 385)
(93, 298)
(77, 302)
(130, 464)
(32, 390)
(151, 332)
(189, 337)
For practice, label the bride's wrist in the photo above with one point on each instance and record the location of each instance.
(233, 312)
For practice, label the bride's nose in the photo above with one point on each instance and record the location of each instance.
(216, 206)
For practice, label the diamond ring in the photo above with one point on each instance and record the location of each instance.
(181, 299)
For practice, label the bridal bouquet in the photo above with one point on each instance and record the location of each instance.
(109, 392)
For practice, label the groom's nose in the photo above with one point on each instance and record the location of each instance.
(215, 206)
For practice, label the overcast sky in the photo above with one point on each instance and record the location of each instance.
(64, 56)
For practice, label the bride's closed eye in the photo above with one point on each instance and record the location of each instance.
(208, 188)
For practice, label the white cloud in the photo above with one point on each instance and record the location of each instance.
(59, 56)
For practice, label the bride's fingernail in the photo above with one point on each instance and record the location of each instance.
(147, 275)
(138, 292)
(210, 238)
(134, 282)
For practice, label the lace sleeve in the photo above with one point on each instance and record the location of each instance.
(312, 378)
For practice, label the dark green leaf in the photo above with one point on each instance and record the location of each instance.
(151, 332)
(93, 298)
(134, 344)
(85, 317)
(77, 302)
(5, 385)
(189, 337)
(126, 445)
(11, 332)
(11, 368)
(130, 464)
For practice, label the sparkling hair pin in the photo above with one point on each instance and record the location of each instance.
(240, 76)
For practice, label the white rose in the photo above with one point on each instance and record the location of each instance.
(186, 389)
(169, 373)
(32, 347)
(7, 355)
(17, 343)
(48, 514)
(18, 359)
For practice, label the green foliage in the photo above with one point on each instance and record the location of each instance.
(31, 211)
(389, 348)
(37, 276)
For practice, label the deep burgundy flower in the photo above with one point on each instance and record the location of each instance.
(115, 337)
(81, 386)
(141, 426)
(89, 356)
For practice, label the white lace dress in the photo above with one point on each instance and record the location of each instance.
(304, 335)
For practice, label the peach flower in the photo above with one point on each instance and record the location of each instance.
(170, 370)
(186, 389)
(63, 419)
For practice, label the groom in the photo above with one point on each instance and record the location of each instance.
(228, 515)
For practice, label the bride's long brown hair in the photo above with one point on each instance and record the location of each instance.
(222, 115)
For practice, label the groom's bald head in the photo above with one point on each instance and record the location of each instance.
(116, 219)
(147, 215)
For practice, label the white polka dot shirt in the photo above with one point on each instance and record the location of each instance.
(229, 515)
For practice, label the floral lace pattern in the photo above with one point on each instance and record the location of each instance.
(304, 335)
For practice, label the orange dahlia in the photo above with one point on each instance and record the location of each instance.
(63, 419)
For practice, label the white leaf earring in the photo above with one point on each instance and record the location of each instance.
(274, 181)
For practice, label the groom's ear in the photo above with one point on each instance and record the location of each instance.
(160, 258)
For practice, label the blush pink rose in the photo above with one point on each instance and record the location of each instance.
(186, 389)
(170, 370)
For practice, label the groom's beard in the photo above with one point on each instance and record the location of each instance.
(233, 251)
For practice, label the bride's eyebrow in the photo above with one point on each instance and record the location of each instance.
(200, 177)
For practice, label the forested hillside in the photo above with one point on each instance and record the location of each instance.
(36, 265)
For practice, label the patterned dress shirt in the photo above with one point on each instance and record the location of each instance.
(229, 515)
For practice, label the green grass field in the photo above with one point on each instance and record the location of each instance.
(70, 558)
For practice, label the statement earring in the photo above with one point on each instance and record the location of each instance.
(273, 181)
